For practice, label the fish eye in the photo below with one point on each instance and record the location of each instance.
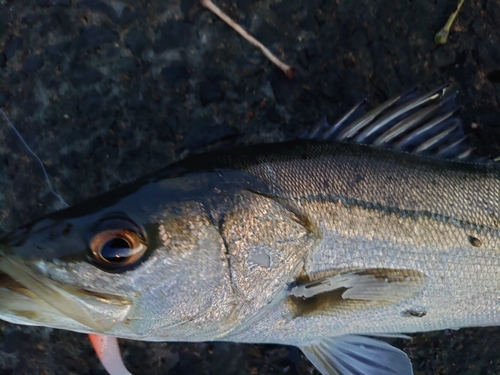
(116, 246)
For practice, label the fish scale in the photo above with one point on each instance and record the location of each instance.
(465, 192)
(356, 238)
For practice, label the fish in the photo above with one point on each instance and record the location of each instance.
(383, 224)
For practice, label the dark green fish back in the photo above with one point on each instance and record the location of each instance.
(396, 182)
(463, 193)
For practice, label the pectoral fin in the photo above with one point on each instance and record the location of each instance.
(355, 290)
(357, 355)
(369, 285)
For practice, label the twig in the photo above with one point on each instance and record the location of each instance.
(287, 69)
(442, 34)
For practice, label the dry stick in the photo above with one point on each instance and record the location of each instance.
(442, 34)
(287, 69)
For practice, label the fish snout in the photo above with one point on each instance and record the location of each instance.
(29, 295)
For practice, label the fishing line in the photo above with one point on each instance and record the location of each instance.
(36, 158)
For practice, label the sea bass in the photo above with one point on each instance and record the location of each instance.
(381, 224)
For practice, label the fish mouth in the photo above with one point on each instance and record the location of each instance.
(31, 298)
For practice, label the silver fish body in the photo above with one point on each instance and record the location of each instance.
(308, 243)
(372, 210)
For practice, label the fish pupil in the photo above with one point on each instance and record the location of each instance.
(115, 250)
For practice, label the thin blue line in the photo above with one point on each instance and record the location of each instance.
(36, 158)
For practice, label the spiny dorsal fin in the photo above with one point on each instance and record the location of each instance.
(425, 124)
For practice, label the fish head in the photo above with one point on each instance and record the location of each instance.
(143, 262)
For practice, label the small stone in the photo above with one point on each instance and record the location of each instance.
(273, 115)
(174, 34)
(32, 19)
(267, 34)
(100, 7)
(91, 107)
(4, 21)
(8, 362)
(56, 54)
(136, 41)
(99, 35)
(12, 46)
(245, 5)
(128, 15)
(33, 63)
(175, 73)
(444, 57)
(284, 89)
(285, 9)
(81, 75)
(127, 64)
(58, 49)
(210, 92)
(187, 5)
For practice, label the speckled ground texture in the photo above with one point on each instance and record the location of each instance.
(106, 91)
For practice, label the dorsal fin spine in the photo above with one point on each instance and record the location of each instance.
(425, 124)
